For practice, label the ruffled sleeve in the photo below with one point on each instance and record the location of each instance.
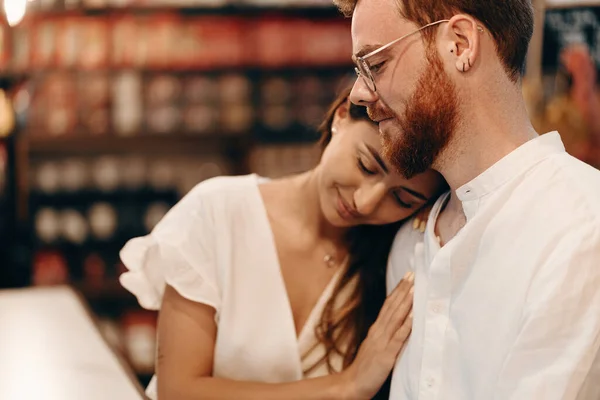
(179, 252)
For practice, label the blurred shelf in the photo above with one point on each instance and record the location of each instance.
(309, 10)
(9, 79)
(571, 4)
(13, 75)
(171, 144)
(106, 290)
(296, 68)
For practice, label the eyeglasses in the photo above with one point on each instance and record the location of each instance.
(363, 69)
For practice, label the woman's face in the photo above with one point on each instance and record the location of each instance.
(357, 187)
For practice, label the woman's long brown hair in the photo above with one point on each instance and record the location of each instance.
(343, 328)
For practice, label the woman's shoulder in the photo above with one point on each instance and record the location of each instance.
(221, 191)
(207, 203)
(225, 185)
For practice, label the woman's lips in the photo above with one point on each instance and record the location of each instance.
(344, 211)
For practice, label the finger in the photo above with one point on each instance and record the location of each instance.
(401, 335)
(401, 291)
(401, 313)
(391, 305)
(398, 295)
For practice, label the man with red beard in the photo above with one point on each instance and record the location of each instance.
(507, 287)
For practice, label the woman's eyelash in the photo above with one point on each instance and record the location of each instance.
(400, 202)
(367, 171)
(364, 168)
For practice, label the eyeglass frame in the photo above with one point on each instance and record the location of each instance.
(361, 61)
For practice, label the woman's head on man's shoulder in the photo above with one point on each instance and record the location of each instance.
(357, 185)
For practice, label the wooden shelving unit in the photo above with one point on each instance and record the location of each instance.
(296, 10)
(34, 144)
(39, 146)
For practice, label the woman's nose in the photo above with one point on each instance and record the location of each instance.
(368, 197)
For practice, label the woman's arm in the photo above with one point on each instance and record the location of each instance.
(186, 339)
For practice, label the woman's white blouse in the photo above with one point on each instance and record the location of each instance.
(216, 247)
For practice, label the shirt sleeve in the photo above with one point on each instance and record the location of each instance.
(556, 353)
(180, 252)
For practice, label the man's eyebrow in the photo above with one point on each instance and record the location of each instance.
(369, 48)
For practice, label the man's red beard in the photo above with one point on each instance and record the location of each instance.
(429, 122)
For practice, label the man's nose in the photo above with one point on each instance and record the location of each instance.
(361, 95)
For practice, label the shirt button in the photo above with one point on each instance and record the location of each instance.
(436, 308)
(430, 382)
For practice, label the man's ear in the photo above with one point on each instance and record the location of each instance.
(462, 39)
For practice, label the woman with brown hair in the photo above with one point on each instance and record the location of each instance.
(275, 289)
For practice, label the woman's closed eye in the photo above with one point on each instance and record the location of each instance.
(364, 168)
(401, 202)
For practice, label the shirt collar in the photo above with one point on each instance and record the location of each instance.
(513, 164)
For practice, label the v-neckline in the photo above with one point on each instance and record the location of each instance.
(302, 336)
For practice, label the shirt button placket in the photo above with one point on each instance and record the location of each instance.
(436, 321)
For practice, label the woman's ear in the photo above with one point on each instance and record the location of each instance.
(342, 113)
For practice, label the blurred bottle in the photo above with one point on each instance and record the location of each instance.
(237, 114)
(201, 105)
(276, 108)
(163, 104)
(94, 106)
(139, 333)
(127, 106)
(49, 268)
(574, 108)
(103, 222)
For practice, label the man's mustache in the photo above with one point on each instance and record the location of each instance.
(380, 110)
(377, 114)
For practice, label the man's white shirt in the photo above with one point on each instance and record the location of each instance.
(510, 307)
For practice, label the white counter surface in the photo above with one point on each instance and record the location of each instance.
(50, 349)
